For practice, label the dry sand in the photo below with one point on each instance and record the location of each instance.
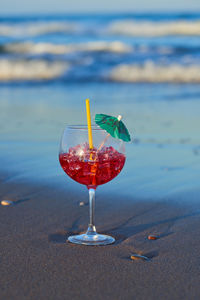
(38, 263)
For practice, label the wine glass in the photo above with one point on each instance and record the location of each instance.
(91, 167)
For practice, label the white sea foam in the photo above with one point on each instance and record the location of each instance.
(41, 48)
(30, 70)
(116, 47)
(150, 72)
(123, 27)
(133, 28)
(39, 28)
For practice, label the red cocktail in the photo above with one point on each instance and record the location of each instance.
(92, 168)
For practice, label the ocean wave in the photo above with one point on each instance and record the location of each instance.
(40, 69)
(151, 29)
(37, 28)
(27, 70)
(150, 72)
(96, 46)
(49, 48)
(120, 27)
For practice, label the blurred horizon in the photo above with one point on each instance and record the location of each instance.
(88, 6)
(182, 13)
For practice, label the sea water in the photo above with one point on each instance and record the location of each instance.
(100, 48)
(145, 67)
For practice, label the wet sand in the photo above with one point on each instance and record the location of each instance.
(157, 193)
(38, 263)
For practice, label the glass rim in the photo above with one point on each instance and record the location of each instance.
(83, 127)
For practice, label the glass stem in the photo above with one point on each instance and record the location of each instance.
(91, 227)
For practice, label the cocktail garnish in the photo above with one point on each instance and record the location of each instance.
(89, 123)
(114, 126)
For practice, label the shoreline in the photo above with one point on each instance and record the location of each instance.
(157, 193)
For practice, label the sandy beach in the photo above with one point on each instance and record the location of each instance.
(38, 263)
(156, 193)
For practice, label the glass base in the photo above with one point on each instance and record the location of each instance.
(91, 239)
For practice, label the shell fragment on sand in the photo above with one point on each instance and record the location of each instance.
(139, 257)
(152, 237)
(6, 202)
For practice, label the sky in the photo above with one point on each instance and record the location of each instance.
(83, 6)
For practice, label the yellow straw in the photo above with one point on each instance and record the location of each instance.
(89, 123)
